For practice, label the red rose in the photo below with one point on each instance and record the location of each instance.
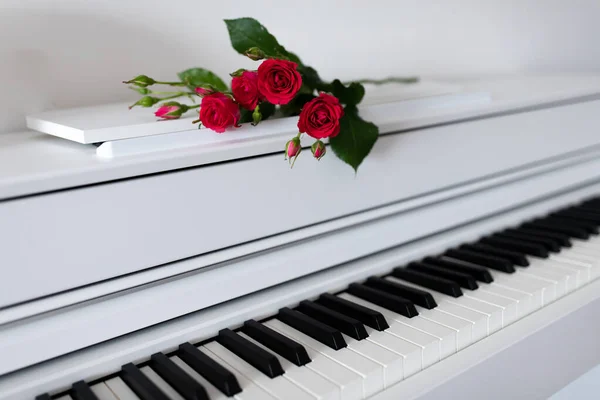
(218, 112)
(320, 117)
(278, 80)
(245, 89)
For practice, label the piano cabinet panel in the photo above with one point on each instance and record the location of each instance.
(58, 241)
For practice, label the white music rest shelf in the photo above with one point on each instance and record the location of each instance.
(123, 131)
(272, 134)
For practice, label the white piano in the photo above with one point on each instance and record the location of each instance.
(460, 262)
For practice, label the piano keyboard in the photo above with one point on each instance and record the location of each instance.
(378, 332)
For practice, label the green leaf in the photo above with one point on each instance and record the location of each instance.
(266, 109)
(356, 138)
(196, 77)
(246, 33)
(295, 106)
(245, 115)
(350, 95)
(310, 77)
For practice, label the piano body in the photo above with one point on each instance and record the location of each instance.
(461, 261)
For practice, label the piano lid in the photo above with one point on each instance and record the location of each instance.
(32, 163)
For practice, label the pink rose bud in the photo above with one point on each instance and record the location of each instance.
(318, 149)
(293, 149)
(204, 91)
(171, 110)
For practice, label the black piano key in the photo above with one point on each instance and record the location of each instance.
(595, 208)
(517, 258)
(464, 280)
(254, 355)
(417, 296)
(345, 324)
(397, 304)
(369, 317)
(583, 215)
(561, 238)
(325, 334)
(184, 384)
(44, 396)
(81, 391)
(143, 387)
(549, 244)
(516, 245)
(212, 371)
(282, 345)
(479, 273)
(545, 226)
(485, 260)
(589, 227)
(429, 281)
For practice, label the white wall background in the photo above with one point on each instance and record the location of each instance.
(63, 53)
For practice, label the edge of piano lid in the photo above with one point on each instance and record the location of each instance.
(573, 318)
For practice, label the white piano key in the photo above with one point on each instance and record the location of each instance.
(585, 268)
(493, 312)
(391, 363)
(161, 383)
(120, 389)
(558, 280)
(446, 336)
(592, 244)
(429, 344)
(479, 327)
(212, 392)
(523, 299)
(304, 377)
(349, 382)
(102, 392)
(488, 320)
(520, 283)
(580, 259)
(580, 273)
(509, 307)
(588, 251)
(278, 387)
(570, 275)
(250, 391)
(410, 352)
(460, 326)
(371, 372)
(549, 288)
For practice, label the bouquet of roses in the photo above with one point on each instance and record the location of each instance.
(281, 83)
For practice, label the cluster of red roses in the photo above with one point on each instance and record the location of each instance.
(277, 82)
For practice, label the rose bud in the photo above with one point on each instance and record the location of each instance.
(256, 116)
(218, 112)
(318, 150)
(204, 91)
(171, 110)
(245, 89)
(320, 117)
(141, 81)
(278, 80)
(146, 101)
(293, 149)
(254, 53)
